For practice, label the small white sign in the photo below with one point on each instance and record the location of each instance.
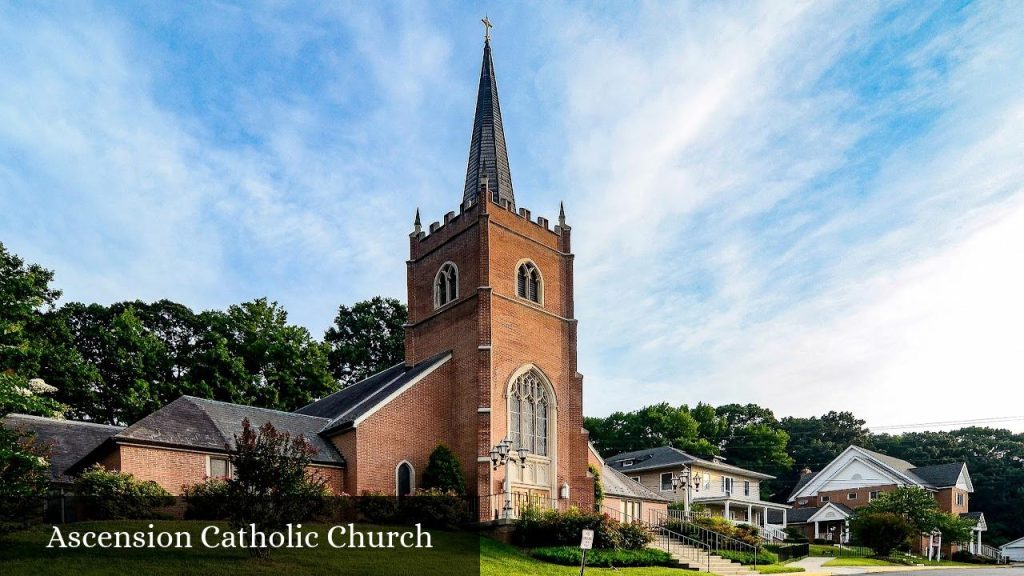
(587, 542)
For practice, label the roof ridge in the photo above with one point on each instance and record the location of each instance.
(251, 407)
(63, 420)
(216, 426)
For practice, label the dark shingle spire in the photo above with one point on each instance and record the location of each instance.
(488, 157)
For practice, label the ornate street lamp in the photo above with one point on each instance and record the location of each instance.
(682, 480)
(501, 455)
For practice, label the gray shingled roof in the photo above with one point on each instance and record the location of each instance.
(667, 456)
(940, 475)
(344, 407)
(801, 483)
(191, 422)
(487, 153)
(68, 440)
(617, 484)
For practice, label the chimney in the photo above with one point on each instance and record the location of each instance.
(805, 472)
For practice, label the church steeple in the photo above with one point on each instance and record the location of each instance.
(488, 158)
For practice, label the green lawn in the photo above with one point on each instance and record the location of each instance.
(454, 554)
(859, 562)
(846, 551)
(777, 569)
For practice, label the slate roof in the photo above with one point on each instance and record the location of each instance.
(191, 422)
(487, 153)
(801, 483)
(68, 440)
(344, 407)
(667, 456)
(801, 515)
(940, 475)
(616, 484)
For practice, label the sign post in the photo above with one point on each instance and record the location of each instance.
(586, 543)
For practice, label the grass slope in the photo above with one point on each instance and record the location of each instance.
(497, 559)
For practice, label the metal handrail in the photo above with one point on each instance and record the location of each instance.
(688, 548)
(715, 541)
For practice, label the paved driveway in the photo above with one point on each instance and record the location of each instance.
(815, 565)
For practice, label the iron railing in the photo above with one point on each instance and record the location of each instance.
(714, 541)
(694, 552)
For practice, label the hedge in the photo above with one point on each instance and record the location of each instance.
(536, 529)
(572, 555)
(763, 557)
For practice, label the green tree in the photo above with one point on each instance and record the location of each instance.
(919, 507)
(25, 294)
(366, 338)
(883, 532)
(443, 472)
(649, 427)
(598, 486)
(271, 487)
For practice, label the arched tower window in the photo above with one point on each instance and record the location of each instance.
(528, 413)
(404, 479)
(446, 285)
(528, 282)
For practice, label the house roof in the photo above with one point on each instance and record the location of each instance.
(616, 484)
(191, 422)
(801, 483)
(667, 456)
(802, 515)
(68, 440)
(345, 408)
(1018, 543)
(940, 475)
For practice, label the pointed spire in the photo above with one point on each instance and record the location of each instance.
(488, 157)
(416, 226)
(561, 214)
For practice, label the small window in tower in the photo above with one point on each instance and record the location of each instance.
(446, 285)
(529, 284)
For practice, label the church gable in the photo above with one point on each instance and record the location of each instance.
(854, 468)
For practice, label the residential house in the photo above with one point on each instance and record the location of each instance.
(702, 485)
(1013, 551)
(624, 499)
(858, 476)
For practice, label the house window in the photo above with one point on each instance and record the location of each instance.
(874, 494)
(851, 496)
(666, 481)
(528, 282)
(627, 463)
(727, 485)
(528, 413)
(959, 499)
(636, 479)
(404, 479)
(630, 510)
(446, 285)
(825, 499)
(218, 467)
(746, 488)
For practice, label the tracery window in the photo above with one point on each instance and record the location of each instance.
(528, 282)
(446, 285)
(528, 413)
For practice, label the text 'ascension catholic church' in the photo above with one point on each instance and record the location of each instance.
(490, 347)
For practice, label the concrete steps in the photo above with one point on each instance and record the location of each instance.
(697, 559)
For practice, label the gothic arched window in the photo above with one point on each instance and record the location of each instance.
(529, 401)
(404, 479)
(446, 285)
(528, 282)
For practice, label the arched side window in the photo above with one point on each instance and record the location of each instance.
(528, 282)
(446, 285)
(528, 413)
(405, 479)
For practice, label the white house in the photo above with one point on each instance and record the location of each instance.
(1014, 551)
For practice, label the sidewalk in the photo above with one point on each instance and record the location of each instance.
(814, 566)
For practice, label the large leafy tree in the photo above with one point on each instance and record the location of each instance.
(649, 427)
(25, 294)
(921, 510)
(366, 338)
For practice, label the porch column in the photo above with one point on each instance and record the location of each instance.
(750, 514)
(816, 536)
(979, 542)
(727, 515)
(784, 511)
(764, 519)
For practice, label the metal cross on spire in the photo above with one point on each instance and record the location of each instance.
(487, 28)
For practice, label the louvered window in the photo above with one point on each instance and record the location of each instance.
(446, 285)
(528, 282)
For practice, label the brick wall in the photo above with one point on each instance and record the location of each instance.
(842, 496)
(171, 469)
(948, 503)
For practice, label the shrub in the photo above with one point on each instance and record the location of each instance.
(883, 532)
(110, 495)
(747, 558)
(377, 507)
(794, 534)
(965, 556)
(206, 500)
(572, 556)
(535, 528)
(435, 509)
(598, 486)
(444, 472)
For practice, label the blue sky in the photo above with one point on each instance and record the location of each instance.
(810, 206)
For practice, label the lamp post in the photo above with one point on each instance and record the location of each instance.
(501, 455)
(682, 480)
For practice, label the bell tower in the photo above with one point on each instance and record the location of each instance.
(494, 285)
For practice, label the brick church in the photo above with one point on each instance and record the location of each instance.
(490, 354)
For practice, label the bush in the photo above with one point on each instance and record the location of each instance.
(572, 556)
(206, 500)
(747, 558)
(110, 495)
(444, 472)
(536, 529)
(794, 534)
(967, 557)
(598, 486)
(883, 532)
(377, 507)
(435, 509)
